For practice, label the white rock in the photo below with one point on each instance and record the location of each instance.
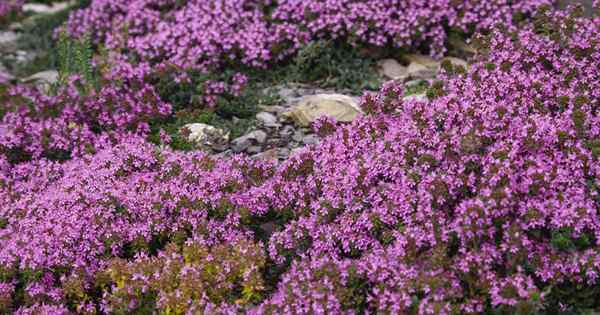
(266, 118)
(341, 107)
(240, 144)
(311, 139)
(41, 8)
(392, 69)
(416, 98)
(47, 77)
(258, 135)
(8, 41)
(203, 133)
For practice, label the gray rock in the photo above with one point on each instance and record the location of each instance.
(310, 139)
(8, 41)
(283, 153)
(287, 93)
(421, 66)
(259, 136)
(254, 149)
(24, 56)
(41, 8)
(204, 134)
(392, 69)
(43, 80)
(266, 118)
(341, 107)
(240, 144)
(244, 142)
(298, 136)
(48, 76)
(287, 131)
(416, 97)
(15, 26)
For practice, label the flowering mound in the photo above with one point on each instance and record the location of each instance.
(10, 6)
(484, 199)
(255, 32)
(75, 121)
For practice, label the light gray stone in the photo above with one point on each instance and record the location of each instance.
(416, 97)
(310, 139)
(240, 144)
(392, 69)
(259, 136)
(41, 8)
(48, 77)
(298, 136)
(287, 131)
(204, 134)
(341, 107)
(8, 41)
(266, 118)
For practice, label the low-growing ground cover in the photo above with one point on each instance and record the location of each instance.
(206, 58)
(482, 199)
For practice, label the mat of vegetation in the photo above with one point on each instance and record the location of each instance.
(485, 198)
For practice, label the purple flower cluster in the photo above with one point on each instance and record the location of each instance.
(74, 121)
(486, 197)
(212, 33)
(9, 6)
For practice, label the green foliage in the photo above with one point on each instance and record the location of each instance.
(76, 57)
(417, 88)
(37, 35)
(334, 65)
(192, 272)
(572, 298)
(564, 240)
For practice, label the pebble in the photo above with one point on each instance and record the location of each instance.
(266, 118)
(310, 139)
(298, 136)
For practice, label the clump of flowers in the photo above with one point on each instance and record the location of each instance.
(75, 121)
(6, 292)
(484, 198)
(208, 34)
(189, 278)
(10, 6)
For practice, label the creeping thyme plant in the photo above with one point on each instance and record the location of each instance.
(483, 198)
